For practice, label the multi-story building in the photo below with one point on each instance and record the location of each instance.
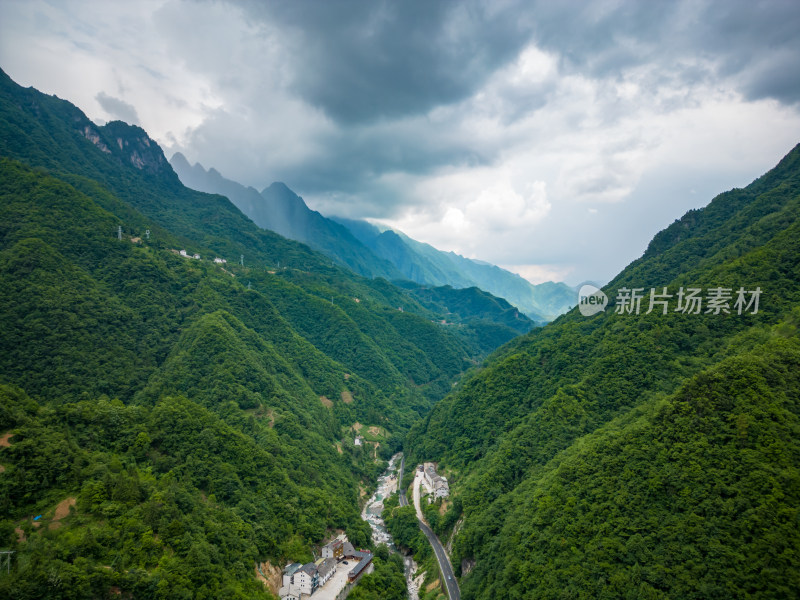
(333, 549)
(436, 483)
(289, 571)
(306, 578)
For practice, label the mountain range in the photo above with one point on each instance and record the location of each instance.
(181, 390)
(374, 252)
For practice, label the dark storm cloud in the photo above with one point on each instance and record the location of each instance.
(755, 44)
(760, 45)
(352, 158)
(379, 69)
(118, 109)
(361, 61)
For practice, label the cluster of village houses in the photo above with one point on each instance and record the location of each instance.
(185, 254)
(301, 581)
(434, 482)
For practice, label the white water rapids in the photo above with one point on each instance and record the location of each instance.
(387, 485)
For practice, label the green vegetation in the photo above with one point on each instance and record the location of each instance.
(692, 496)
(168, 422)
(643, 455)
(169, 501)
(401, 521)
(173, 420)
(387, 582)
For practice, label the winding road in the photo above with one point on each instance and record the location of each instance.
(451, 585)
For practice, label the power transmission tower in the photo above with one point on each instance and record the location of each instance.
(241, 260)
(5, 559)
(119, 232)
(147, 234)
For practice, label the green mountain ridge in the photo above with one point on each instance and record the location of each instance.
(555, 505)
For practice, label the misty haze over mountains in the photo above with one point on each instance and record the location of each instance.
(373, 252)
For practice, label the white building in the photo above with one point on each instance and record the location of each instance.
(289, 590)
(289, 571)
(220, 261)
(436, 483)
(326, 567)
(306, 578)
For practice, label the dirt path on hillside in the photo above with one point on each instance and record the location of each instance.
(62, 510)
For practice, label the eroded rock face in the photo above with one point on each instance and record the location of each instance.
(136, 147)
(129, 143)
(93, 136)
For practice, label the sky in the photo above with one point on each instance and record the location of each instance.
(551, 138)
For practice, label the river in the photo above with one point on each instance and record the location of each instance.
(387, 485)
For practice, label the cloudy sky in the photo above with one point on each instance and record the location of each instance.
(552, 138)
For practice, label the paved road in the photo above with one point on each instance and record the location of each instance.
(444, 563)
(451, 585)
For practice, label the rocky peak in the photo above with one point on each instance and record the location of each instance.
(133, 145)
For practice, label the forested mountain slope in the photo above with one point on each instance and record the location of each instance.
(643, 455)
(198, 416)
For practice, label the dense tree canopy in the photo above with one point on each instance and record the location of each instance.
(578, 471)
(176, 420)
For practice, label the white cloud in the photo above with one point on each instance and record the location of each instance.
(82, 50)
(500, 207)
(539, 273)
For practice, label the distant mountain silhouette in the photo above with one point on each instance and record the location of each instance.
(373, 252)
(279, 209)
(425, 264)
